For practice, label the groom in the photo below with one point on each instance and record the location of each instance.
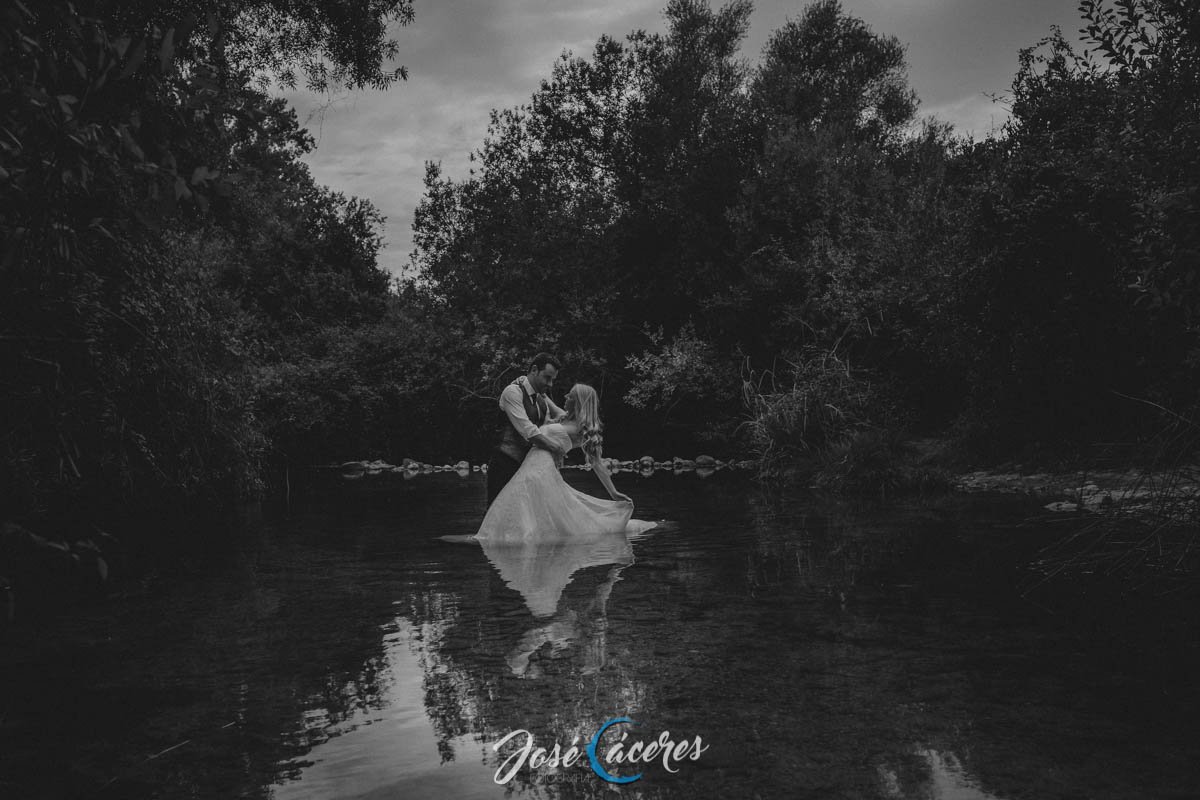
(525, 406)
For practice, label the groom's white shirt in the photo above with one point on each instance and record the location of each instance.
(513, 405)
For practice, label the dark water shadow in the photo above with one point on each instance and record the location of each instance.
(820, 648)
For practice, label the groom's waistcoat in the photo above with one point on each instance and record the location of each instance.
(511, 442)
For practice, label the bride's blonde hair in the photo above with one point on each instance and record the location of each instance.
(587, 414)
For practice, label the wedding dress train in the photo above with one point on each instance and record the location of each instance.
(539, 505)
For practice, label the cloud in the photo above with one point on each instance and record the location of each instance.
(976, 115)
(467, 57)
(464, 59)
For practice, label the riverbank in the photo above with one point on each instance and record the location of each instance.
(1170, 493)
(893, 465)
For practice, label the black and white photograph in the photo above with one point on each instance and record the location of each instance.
(649, 399)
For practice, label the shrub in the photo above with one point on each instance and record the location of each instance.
(827, 400)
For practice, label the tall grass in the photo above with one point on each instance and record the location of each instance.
(1149, 534)
(834, 422)
(822, 400)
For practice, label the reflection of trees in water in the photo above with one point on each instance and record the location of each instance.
(812, 644)
(826, 543)
(801, 640)
(690, 648)
(318, 662)
(727, 625)
(973, 693)
(223, 678)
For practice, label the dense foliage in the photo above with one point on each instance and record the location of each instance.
(775, 256)
(680, 225)
(167, 260)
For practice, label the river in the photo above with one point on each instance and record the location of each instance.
(779, 643)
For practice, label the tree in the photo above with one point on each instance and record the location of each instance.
(1088, 292)
(832, 101)
(128, 130)
(829, 69)
(600, 206)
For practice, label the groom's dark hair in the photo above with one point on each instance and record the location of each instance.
(542, 359)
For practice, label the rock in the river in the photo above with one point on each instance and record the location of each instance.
(705, 461)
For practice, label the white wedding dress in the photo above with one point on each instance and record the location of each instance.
(538, 505)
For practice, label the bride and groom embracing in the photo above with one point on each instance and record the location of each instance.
(528, 499)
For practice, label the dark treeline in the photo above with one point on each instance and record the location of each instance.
(178, 296)
(779, 257)
(786, 253)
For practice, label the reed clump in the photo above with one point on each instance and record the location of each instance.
(833, 424)
(822, 400)
(1148, 531)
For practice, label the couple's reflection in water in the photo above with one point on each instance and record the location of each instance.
(540, 572)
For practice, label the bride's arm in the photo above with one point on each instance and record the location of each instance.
(597, 462)
(546, 443)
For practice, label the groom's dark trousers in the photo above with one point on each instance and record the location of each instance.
(501, 469)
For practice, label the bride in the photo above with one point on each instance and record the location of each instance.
(538, 504)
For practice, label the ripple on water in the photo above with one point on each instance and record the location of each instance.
(819, 649)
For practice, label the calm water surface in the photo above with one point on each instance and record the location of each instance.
(816, 649)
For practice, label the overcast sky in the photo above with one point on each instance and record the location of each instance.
(466, 57)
